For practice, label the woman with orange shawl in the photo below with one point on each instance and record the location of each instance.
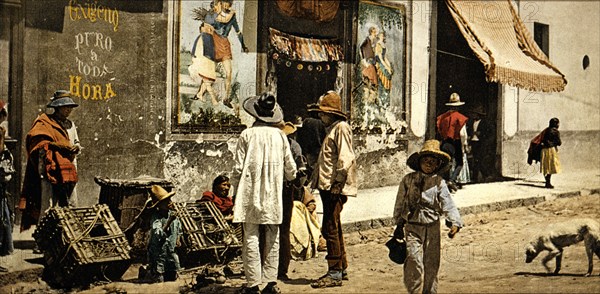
(51, 174)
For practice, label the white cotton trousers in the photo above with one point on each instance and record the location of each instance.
(423, 257)
(256, 273)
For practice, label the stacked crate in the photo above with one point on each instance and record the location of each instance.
(206, 231)
(81, 245)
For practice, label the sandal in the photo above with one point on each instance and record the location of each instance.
(326, 282)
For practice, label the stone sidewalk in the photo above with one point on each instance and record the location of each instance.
(373, 208)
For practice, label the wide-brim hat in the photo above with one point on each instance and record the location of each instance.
(289, 128)
(312, 107)
(159, 194)
(61, 98)
(431, 148)
(454, 100)
(397, 250)
(478, 109)
(331, 102)
(264, 107)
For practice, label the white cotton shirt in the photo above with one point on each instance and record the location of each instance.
(262, 159)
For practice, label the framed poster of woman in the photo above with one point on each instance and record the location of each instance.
(378, 92)
(213, 70)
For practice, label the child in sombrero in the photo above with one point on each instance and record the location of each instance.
(423, 197)
(166, 228)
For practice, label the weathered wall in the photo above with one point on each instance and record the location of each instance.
(574, 154)
(578, 107)
(573, 34)
(120, 76)
(120, 58)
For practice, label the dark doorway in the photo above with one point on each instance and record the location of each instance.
(302, 83)
(458, 70)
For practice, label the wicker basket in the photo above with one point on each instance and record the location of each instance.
(81, 245)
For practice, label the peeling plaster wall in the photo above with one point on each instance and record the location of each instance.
(192, 166)
(124, 136)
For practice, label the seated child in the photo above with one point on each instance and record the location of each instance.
(166, 228)
(220, 196)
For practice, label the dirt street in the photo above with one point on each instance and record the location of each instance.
(487, 256)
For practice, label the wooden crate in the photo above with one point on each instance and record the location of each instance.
(205, 229)
(81, 245)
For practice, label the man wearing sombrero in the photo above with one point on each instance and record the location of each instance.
(335, 177)
(262, 160)
(423, 198)
(51, 172)
(451, 128)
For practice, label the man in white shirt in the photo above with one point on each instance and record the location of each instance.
(262, 159)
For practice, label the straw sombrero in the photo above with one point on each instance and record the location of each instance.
(159, 194)
(331, 102)
(289, 128)
(432, 148)
(454, 100)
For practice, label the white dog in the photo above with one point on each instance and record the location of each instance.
(565, 234)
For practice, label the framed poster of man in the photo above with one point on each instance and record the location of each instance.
(379, 77)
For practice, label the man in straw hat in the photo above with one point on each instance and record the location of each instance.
(262, 160)
(422, 199)
(451, 128)
(162, 258)
(335, 177)
(51, 173)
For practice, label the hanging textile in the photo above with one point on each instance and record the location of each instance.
(304, 49)
(502, 43)
(319, 10)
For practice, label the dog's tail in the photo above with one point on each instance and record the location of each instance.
(591, 233)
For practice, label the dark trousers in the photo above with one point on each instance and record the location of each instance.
(285, 247)
(483, 161)
(332, 230)
(62, 193)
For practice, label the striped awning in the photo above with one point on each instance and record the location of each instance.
(503, 44)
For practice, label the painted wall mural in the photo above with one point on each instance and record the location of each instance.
(378, 98)
(216, 72)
